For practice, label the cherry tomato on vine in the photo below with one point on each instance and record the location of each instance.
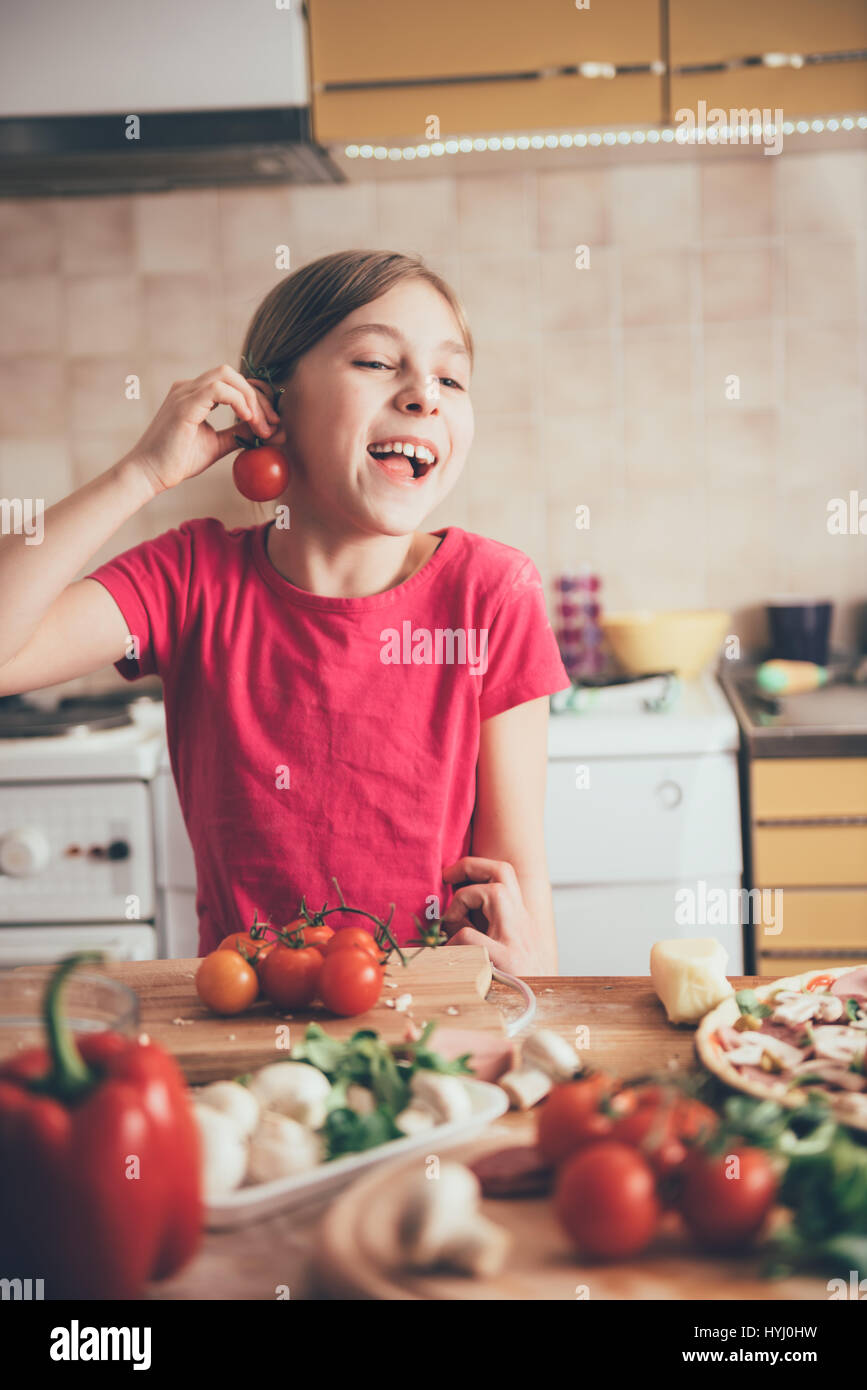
(353, 936)
(350, 982)
(290, 976)
(260, 474)
(255, 949)
(572, 1117)
(226, 983)
(661, 1125)
(317, 934)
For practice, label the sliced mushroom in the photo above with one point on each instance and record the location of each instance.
(360, 1099)
(415, 1119)
(526, 1087)
(838, 1043)
(550, 1053)
(834, 1073)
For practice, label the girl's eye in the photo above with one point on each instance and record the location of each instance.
(449, 381)
(374, 364)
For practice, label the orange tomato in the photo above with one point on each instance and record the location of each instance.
(255, 949)
(226, 983)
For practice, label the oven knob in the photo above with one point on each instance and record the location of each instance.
(669, 794)
(24, 853)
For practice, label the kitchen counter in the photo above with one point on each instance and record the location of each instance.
(827, 723)
(628, 1035)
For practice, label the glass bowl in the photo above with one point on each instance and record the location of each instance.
(90, 1003)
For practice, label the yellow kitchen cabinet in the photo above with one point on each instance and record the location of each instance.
(779, 966)
(400, 115)
(824, 90)
(833, 919)
(808, 788)
(702, 31)
(399, 40)
(788, 856)
(381, 70)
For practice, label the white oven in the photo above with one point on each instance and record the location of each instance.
(77, 842)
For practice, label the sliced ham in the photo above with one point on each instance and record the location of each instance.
(490, 1053)
(518, 1171)
(838, 1043)
(852, 985)
(832, 1074)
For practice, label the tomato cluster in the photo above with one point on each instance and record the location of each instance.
(622, 1155)
(307, 960)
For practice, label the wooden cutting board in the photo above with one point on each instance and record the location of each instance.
(353, 1253)
(210, 1048)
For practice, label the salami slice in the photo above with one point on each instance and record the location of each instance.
(517, 1171)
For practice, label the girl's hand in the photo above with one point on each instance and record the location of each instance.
(180, 443)
(492, 898)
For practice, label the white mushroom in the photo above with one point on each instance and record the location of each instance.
(234, 1101)
(415, 1119)
(222, 1152)
(526, 1086)
(551, 1054)
(281, 1147)
(360, 1099)
(444, 1095)
(295, 1089)
(438, 1222)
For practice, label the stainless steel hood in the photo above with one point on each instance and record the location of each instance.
(112, 96)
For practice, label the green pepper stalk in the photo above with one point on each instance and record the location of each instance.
(69, 1077)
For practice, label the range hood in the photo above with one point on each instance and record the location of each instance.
(112, 96)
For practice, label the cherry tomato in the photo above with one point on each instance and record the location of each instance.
(290, 976)
(605, 1199)
(260, 474)
(351, 981)
(661, 1125)
(724, 1203)
(226, 983)
(255, 949)
(318, 935)
(571, 1117)
(354, 936)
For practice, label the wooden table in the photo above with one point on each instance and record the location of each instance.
(626, 1033)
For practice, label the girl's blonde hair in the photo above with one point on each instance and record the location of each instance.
(301, 309)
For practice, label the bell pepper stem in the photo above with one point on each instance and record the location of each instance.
(70, 1075)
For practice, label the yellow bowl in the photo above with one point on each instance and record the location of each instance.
(680, 640)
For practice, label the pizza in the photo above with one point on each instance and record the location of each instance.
(793, 1038)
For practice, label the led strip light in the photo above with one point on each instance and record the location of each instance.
(667, 135)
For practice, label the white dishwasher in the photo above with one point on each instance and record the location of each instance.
(642, 825)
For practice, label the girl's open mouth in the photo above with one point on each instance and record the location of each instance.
(403, 462)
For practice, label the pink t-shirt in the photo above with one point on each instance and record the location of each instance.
(312, 736)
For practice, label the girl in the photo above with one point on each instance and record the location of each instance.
(347, 693)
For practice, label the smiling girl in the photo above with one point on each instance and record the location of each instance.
(347, 694)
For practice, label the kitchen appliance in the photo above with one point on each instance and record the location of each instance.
(222, 104)
(642, 824)
(800, 629)
(77, 836)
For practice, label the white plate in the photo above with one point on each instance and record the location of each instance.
(266, 1198)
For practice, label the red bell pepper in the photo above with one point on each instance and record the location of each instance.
(99, 1161)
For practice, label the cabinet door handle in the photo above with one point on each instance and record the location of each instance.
(669, 794)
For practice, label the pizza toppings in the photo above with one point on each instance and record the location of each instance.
(815, 1036)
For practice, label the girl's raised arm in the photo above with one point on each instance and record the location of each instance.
(53, 628)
